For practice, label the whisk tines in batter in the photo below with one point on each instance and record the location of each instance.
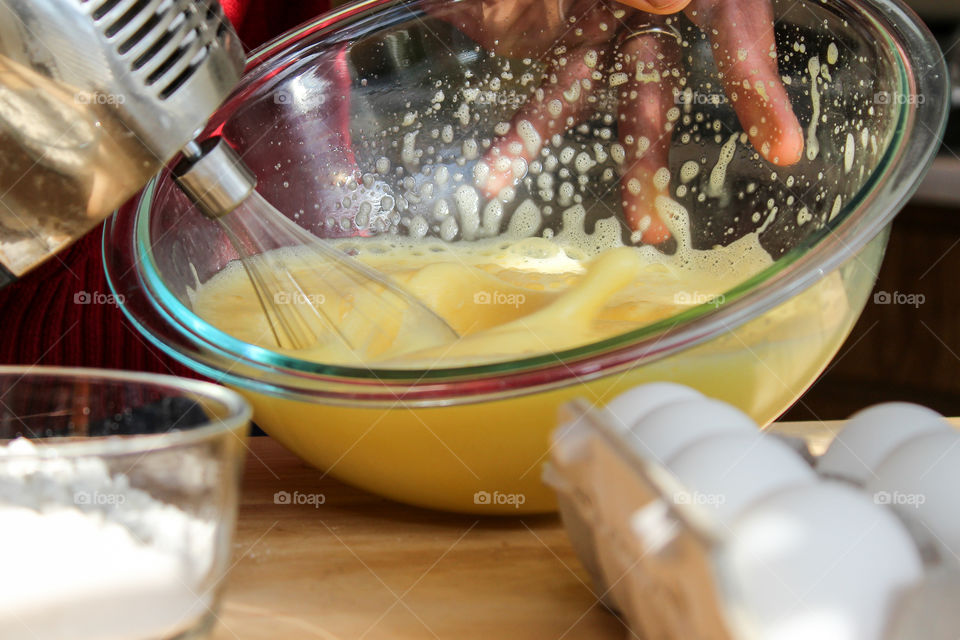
(310, 291)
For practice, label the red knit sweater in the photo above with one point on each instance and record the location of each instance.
(41, 323)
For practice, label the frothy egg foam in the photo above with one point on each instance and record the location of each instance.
(512, 296)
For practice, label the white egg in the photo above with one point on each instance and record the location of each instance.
(816, 561)
(921, 481)
(669, 428)
(631, 405)
(727, 472)
(871, 434)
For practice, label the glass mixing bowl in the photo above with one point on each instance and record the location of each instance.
(118, 498)
(865, 78)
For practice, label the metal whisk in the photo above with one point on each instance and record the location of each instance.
(309, 290)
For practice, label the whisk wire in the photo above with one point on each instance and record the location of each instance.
(285, 329)
(311, 292)
(315, 290)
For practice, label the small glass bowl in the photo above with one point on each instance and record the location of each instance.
(118, 501)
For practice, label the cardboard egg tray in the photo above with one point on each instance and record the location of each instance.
(656, 556)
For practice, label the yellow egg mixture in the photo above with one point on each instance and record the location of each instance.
(511, 297)
(505, 298)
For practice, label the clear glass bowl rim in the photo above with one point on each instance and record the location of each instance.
(238, 411)
(921, 70)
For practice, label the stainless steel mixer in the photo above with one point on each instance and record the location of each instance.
(95, 97)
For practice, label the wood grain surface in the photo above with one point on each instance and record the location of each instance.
(361, 567)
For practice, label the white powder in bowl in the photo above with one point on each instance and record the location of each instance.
(85, 556)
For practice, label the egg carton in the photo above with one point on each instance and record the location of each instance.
(695, 525)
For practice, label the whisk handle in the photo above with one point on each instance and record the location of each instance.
(214, 177)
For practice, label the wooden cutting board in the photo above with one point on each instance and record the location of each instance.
(361, 567)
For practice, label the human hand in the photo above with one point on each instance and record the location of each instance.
(631, 45)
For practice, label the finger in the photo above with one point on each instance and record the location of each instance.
(745, 53)
(512, 28)
(558, 104)
(646, 117)
(555, 107)
(662, 7)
